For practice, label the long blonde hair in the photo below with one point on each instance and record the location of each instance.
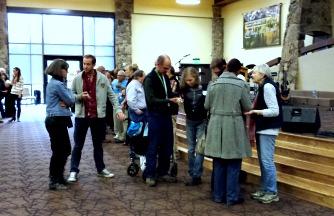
(189, 71)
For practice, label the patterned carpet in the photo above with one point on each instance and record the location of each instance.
(24, 161)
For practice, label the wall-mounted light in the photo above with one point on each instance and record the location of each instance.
(188, 2)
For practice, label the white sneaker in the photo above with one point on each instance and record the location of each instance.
(117, 136)
(73, 177)
(105, 173)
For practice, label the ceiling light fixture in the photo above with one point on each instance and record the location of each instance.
(188, 2)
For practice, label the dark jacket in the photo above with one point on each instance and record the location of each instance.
(194, 104)
(155, 95)
(263, 123)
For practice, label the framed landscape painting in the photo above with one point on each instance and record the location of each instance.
(262, 27)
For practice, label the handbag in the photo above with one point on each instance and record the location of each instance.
(200, 144)
(201, 141)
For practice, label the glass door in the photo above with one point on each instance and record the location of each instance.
(75, 65)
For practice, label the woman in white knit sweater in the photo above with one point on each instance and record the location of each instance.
(16, 92)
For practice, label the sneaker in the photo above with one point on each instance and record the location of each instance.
(193, 181)
(166, 178)
(57, 186)
(73, 177)
(117, 136)
(269, 198)
(151, 182)
(258, 194)
(105, 173)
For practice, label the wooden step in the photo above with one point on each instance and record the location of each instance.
(312, 191)
(306, 153)
(307, 140)
(303, 169)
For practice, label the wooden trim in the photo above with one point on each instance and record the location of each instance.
(59, 12)
(223, 3)
(274, 62)
(316, 46)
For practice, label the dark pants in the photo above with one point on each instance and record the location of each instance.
(60, 144)
(160, 133)
(97, 129)
(18, 105)
(2, 111)
(225, 182)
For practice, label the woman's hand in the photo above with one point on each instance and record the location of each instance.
(257, 112)
(63, 105)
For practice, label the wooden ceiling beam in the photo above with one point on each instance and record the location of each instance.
(223, 3)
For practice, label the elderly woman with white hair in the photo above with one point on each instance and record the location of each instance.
(267, 115)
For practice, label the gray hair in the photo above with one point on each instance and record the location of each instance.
(264, 69)
(54, 69)
(138, 74)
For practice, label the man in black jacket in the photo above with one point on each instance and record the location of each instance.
(159, 101)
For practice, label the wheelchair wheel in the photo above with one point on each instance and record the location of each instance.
(133, 169)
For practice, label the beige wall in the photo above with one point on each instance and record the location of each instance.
(233, 35)
(170, 7)
(85, 5)
(316, 71)
(164, 27)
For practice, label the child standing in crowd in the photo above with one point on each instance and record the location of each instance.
(196, 121)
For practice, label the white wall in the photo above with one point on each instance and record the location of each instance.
(233, 31)
(316, 71)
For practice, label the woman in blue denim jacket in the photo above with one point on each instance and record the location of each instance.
(59, 99)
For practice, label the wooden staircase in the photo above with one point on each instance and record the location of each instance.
(305, 165)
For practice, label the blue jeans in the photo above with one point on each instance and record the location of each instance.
(195, 130)
(225, 183)
(265, 145)
(97, 129)
(160, 133)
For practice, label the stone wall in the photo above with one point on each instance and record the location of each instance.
(3, 36)
(217, 50)
(123, 33)
(311, 17)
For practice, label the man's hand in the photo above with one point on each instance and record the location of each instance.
(119, 86)
(120, 116)
(63, 105)
(85, 96)
(174, 100)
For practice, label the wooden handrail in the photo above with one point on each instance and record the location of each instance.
(317, 46)
(274, 62)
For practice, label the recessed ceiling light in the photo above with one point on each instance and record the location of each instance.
(188, 2)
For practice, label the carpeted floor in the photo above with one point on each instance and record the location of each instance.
(24, 162)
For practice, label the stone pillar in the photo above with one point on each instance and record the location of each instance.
(123, 46)
(217, 33)
(305, 17)
(3, 35)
